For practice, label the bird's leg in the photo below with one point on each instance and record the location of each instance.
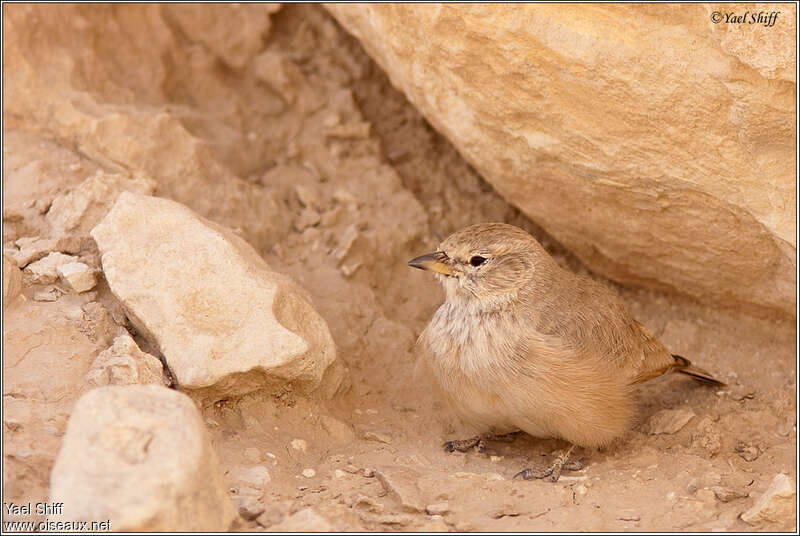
(463, 445)
(479, 441)
(554, 471)
(505, 438)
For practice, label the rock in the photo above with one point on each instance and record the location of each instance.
(668, 421)
(123, 363)
(82, 208)
(248, 502)
(12, 281)
(437, 509)
(727, 494)
(775, 505)
(77, 276)
(748, 452)
(378, 434)
(44, 271)
(401, 484)
(280, 73)
(48, 294)
(233, 33)
(220, 317)
(139, 455)
(34, 248)
(597, 125)
(256, 476)
(307, 218)
(305, 520)
(309, 473)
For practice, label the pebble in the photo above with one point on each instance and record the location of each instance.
(299, 444)
(43, 271)
(309, 473)
(78, 276)
(727, 494)
(438, 508)
(748, 452)
(256, 476)
(338, 473)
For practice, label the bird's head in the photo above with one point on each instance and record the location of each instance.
(488, 262)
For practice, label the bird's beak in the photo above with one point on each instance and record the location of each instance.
(433, 262)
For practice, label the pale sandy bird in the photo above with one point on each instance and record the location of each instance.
(522, 344)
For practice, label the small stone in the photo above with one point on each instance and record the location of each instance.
(78, 276)
(438, 508)
(305, 520)
(123, 363)
(44, 271)
(308, 218)
(748, 452)
(338, 473)
(368, 473)
(309, 473)
(381, 435)
(49, 294)
(352, 469)
(252, 455)
(307, 196)
(248, 502)
(775, 505)
(580, 489)
(706, 495)
(256, 476)
(668, 421)
(299, 444)
(727, 494)
(358, 130)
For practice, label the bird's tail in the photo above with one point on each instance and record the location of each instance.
(684, 366)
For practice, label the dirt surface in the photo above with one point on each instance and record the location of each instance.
(385, 187)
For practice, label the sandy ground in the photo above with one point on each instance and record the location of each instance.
(376, 449)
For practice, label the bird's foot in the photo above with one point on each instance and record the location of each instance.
(505, 438)
(463, 445)
(561, 463)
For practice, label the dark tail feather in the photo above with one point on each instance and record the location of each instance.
(684, 366)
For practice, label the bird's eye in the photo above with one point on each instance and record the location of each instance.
(477, 260)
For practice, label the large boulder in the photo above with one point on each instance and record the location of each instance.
(139, 455)
(201, 295)
(655, 144)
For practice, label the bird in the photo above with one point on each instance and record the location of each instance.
(521, 344)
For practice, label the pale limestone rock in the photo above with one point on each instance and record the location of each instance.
(12, 281)
(34, 248)
(139, 455)
(401, 483)
(77, 276)
(82, 208)
(234, 33)
(256, 476)
(775, 505)
(305, 520)
(661, 154)
(204, 297)
(45, 270)
(123, 363)
(668, 421)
